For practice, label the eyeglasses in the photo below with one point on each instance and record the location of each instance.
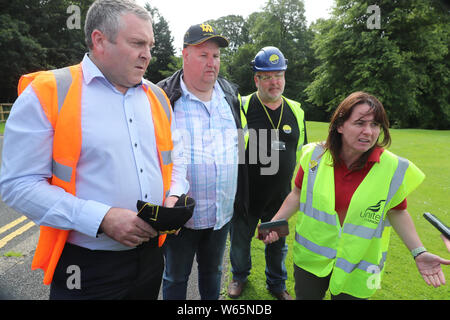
(277, 77)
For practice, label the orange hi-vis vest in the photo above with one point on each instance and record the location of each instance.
(59, 92)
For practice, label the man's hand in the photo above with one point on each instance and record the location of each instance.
(170, 201)
(126, 227)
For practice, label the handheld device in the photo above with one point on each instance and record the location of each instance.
(281, 227)
(438, 224)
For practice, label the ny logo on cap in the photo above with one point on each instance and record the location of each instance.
(206, 28)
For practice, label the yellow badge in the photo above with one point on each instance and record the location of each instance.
(312, 165)
(287, 129)
(274, 59)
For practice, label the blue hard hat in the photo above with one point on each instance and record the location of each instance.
(269, 59)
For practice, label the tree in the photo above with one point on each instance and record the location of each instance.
(34, 35)
(281, 24)
(163, 51)
(405, 62)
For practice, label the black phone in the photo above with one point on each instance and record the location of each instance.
(281, 227)
(438, 224)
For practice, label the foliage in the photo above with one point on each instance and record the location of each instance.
(281, 24)
(405, 63)
(163, 51)
(34, 36)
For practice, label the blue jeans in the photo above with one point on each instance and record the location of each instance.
(242, 232)
(179, 250)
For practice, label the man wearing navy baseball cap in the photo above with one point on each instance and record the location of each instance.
(199, 33)
(207, 112)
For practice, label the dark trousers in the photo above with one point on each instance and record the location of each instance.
(310, 287)
(85, 274)
(208, 246)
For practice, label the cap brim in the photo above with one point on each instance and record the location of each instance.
(221, 41)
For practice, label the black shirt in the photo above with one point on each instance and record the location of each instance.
(267, 192)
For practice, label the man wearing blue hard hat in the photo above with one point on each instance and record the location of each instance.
(279, 126)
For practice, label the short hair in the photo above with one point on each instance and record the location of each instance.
(104, 15)
(343, 113)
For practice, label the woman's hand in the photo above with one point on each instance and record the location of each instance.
(429, 266)
(271, 238)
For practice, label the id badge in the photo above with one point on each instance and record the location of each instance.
(278, 145)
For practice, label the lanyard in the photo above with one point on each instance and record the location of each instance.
(268, 116)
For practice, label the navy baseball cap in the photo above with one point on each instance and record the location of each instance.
(200, 33)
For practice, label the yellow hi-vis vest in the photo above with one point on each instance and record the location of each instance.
(59, 92)
(296, 110)
(354, 254)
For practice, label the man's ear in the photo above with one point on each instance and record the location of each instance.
(98, 41)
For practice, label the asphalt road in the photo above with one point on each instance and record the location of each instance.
(18, 238)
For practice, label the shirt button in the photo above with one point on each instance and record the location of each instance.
(131, 120)
(145, 196)
(142, 170)
(135, 145)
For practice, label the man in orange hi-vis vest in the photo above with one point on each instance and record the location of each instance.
(81, 146)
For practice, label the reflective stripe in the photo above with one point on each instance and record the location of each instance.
(318, 150)
(61, 171)
(318, 215)
(63, 79)
(324, 251)
(396, 182)
(244, 105)
(245, 129)
(166, 157)
(307, 208)
(351, 229)
(162, 99)
(360, 231)
(362, 265)
(397, 178)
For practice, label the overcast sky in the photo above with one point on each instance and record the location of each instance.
(182, 14)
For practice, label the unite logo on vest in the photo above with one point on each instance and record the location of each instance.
(371, 214)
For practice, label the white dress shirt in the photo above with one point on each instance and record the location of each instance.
(118, 162)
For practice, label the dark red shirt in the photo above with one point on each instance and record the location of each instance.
(347, 181)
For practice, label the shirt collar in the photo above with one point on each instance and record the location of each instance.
(91, 71)
(373, 158)
(375, 155)
(189, 95)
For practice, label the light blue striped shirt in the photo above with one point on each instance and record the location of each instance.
(211, 149)
(118, 162)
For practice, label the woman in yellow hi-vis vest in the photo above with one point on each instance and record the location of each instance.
(351, 191)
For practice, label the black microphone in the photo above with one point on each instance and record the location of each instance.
(438, 224)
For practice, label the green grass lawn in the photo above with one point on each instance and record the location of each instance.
(430, 151)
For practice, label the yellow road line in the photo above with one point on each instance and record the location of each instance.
(14, 234)
(12, 224)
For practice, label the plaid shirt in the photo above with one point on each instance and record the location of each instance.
(210, 138)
